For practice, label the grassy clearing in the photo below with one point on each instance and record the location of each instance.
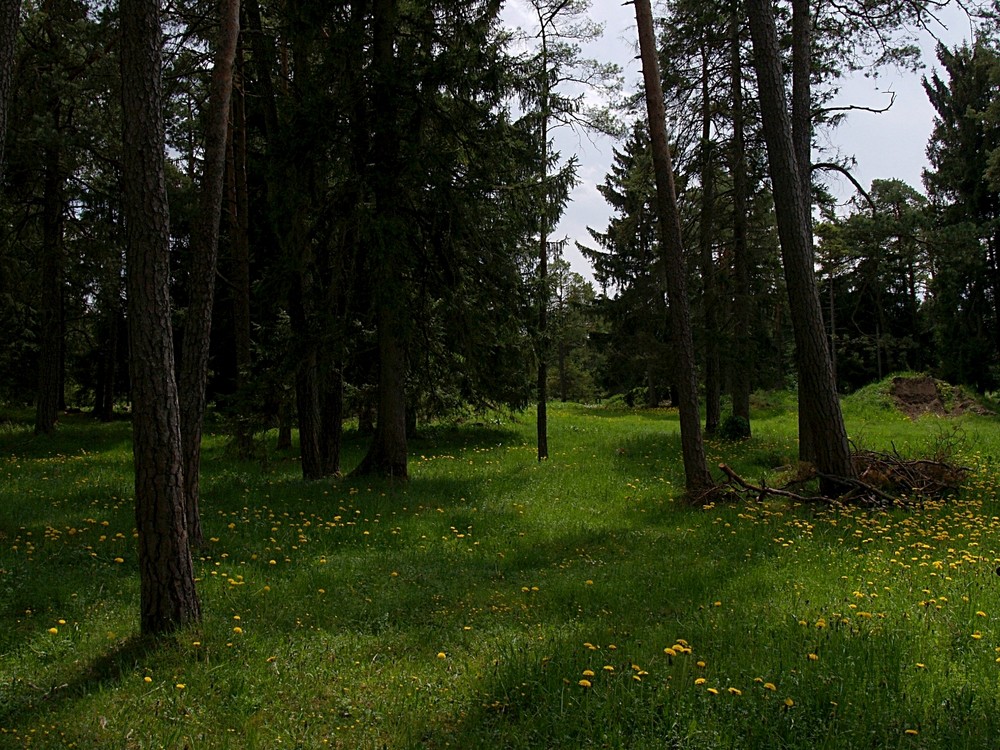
(495, 602)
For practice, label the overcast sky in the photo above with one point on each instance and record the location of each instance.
(888, 145)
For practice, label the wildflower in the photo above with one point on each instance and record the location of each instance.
(669, 651)
(921, 665)
(147, 679)
(119, 560)
(637, 678)
(584, 683)
(789, 702)
(53, 631)
(589, 582)
(700, 681)
(713, 691)
(588, 673)
(980, 614)
(911, 731)
(181, 686)
(769, 686)
(608, 668)
(734, 691)
(977, 635)
(442, 655)
(700, 664)
(237, 630)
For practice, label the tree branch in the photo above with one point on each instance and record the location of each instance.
(832, 167)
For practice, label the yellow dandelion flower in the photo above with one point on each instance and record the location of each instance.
(700, 681)
(608, 668)
(911, 731)
(584, 683)
(181, 686)
(789, 702)
(588, 673)
(921, 665)
(442, 655)
(589, 582)
(682, 642)
(980, 613)
(53, 631)
(769, 686)
(700, 664)
(713, 691)
(119, 560)
(977, 635)
(734, 691)
(61, 622)
(637, 678)
(669, 651)
(813, 657)
(237, 629)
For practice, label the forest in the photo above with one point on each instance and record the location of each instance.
(291, 217)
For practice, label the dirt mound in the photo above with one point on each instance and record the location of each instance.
(921, 395)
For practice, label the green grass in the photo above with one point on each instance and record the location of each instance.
(463, 609)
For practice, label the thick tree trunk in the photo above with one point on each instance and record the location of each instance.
(742, 360)
(168, 599)
(816, 382)
(696, 472)
(52, 269)
(204, 257)
(10, 21)
(332, 420)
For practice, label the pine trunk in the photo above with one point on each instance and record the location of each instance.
(818, 393)
(706, 228)
(697, 477)
(168, 599)
(204, 257)
(50, 363)
(10, 21)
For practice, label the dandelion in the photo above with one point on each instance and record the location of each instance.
(700, 664)
(53, 631)
(181, 686)
(588, 673)
(921, 665)
(813, 657)
(442, 655)
(147, 679)
(237, 630)
(589, 582)
(789, 702)
(119, 560)
(584, 683)
(700, 681)
(911, 732)
(770, 686)
(734, 691)
(713, 691)
(669, 651)
(977, 635)
(980, 613)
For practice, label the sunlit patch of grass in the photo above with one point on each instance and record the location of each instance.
(493, 601)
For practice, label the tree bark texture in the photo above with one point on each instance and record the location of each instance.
(696, 472)
(816, 382)
(742, 360)
(168, 599)
(204, 257)
(10, 21)
(50, 363)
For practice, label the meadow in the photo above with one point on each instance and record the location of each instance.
(497, 602)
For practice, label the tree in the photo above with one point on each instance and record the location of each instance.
(10, 19)
(204, 253)
(562, 25)
(168, 599)
(696, 472)
(819, 400)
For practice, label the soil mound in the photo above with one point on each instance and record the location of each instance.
(916, 396)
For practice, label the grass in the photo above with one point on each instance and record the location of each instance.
(497, 602)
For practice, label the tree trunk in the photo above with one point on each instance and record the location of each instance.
(802, 145)
(10, 21)
(204, 257)
(742, 360)
(696, 472)
(816, 382)
(332, 420)
(239, 228)
(713, 408)
(51, 297)
(168, 599)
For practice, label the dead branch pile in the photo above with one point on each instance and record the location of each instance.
(883, 479)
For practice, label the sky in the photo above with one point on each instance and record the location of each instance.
(885, 146)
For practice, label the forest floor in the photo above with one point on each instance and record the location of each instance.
(496, 602)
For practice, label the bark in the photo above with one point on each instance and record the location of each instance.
(104, 396)
(332, 420)
(713, 407)
(204, 257)
(816, 381)
(168, 599)
(742, 364)
(10, 21)
(387, 455)
(50, 363)
(802, 144)
(542, 413)
(696, 472)
(239, 230)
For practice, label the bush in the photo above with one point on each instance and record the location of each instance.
(734, 428)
